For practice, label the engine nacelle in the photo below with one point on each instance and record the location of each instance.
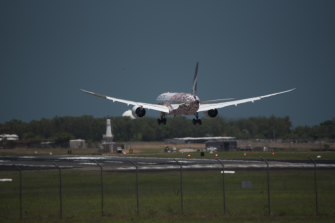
(211, 113)
(138, 111)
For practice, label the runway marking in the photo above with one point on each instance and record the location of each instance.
(89, 164)
(144, 163)
(228, 172)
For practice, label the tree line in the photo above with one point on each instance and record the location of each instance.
(61, 129)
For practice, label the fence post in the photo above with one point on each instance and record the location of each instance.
(268, 184)
(60, 191)
(223, 187)
(315, 188)
(20, 193)
(181, 187)
(102, 188)
(137, 198)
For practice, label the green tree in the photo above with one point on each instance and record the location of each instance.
(62, 139)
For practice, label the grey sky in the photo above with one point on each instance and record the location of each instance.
(139, 49)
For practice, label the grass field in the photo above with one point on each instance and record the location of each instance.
(292, 196)
(292, 191)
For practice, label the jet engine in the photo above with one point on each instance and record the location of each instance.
(138, 111)
(211, 113)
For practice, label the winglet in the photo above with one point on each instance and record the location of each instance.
(95, 94)
(282, 92)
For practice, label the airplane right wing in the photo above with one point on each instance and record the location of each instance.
(160, 108)
(206, 107)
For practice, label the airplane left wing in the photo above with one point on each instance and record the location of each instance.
(206, 107)
(160, 108)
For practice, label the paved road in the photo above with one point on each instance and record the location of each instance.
(128, 163)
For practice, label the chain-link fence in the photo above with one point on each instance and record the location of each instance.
(136, 189)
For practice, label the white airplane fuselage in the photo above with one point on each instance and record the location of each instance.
(179, 103)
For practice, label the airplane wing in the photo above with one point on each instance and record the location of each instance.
(206, 107)
(160, 108)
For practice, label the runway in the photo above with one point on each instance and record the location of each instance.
(124, 163)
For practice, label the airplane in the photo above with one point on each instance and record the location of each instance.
(183, 103)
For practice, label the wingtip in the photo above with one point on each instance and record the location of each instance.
(292, 89)
(83, 90)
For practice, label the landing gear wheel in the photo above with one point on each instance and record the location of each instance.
(196, 121)
(161, 121)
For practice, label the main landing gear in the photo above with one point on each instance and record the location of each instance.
(196, 120)
(162, 120)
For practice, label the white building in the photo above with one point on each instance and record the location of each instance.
(77, 144)
(107, 143)
(9, 137)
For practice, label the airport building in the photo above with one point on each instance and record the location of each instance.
(191, 140)
(78, 144)
(8, 140)
(222, 145)
(9, 137)
(217, 143)
(108, 145)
